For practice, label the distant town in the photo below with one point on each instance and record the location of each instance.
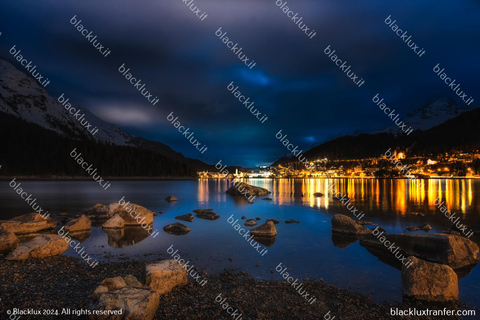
(454, 165)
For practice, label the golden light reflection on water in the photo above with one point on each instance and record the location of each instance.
(401, 196)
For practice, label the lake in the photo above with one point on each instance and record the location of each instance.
(306, 248)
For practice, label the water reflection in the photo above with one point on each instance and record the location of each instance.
(129, 236)
(400, 196)
(342, 241)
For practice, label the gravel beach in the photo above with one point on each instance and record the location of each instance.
(67, 282)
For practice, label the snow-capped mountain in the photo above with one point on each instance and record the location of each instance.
(21, 96)
(431, 115)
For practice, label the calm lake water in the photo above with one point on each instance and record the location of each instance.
(307, 248)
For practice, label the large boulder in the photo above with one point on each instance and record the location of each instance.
(453, 250)
(265, 230)
(126, 294)
(176, 228)
(116, 222)
(165, 275)
(45, 245)
(346, 225)
(28, 223)
(244, 189)
(81, 224)
(132, 214)
(8, 241)
(428, 281)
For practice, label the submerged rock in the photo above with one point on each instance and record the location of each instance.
(318, 194)
(171, 199)
(346, 225)
(41, 246)
(265, 230)
(453, 250)
(250, 223)
(430, 282)
(116, 222)
(244, 189)
(203, 210)
(268, 199)
(176, 228)
(186, 217)
(165, 275)
(28, 223)
(81, 224)
(117, 293)
(208, 215)
(292, 221)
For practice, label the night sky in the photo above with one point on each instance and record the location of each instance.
(302, 91)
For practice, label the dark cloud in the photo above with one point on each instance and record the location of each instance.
(188, 67)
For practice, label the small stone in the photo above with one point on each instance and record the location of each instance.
(171, 199)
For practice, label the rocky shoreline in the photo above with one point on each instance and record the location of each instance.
(68, 282)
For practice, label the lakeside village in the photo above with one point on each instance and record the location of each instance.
(391, 164)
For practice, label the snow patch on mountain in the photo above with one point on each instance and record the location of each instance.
(430, 115)
(21, 96)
